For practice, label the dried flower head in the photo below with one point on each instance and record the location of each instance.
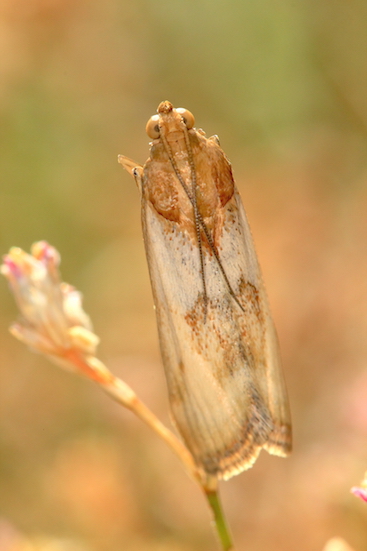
(53, 321)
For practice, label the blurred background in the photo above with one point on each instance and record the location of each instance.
(284, 85)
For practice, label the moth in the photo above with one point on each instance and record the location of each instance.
(218, 343)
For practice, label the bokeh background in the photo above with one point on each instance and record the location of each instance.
(284, 85)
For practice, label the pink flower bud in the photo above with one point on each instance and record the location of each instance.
(53, 321)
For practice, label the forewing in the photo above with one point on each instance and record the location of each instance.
(271, 374)
(215, 363)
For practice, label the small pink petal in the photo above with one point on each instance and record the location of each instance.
(49, 256)
(359, 492)
(43, 251)
(11, 268)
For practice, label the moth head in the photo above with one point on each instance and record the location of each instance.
(153, 127)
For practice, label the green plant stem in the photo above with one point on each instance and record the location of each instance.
(219, 520)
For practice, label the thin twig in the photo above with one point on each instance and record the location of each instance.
(124, 395)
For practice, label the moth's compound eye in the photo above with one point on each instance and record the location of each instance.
(152, 127)
(187, 116)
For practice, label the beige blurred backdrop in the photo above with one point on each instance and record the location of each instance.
(284, 85)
